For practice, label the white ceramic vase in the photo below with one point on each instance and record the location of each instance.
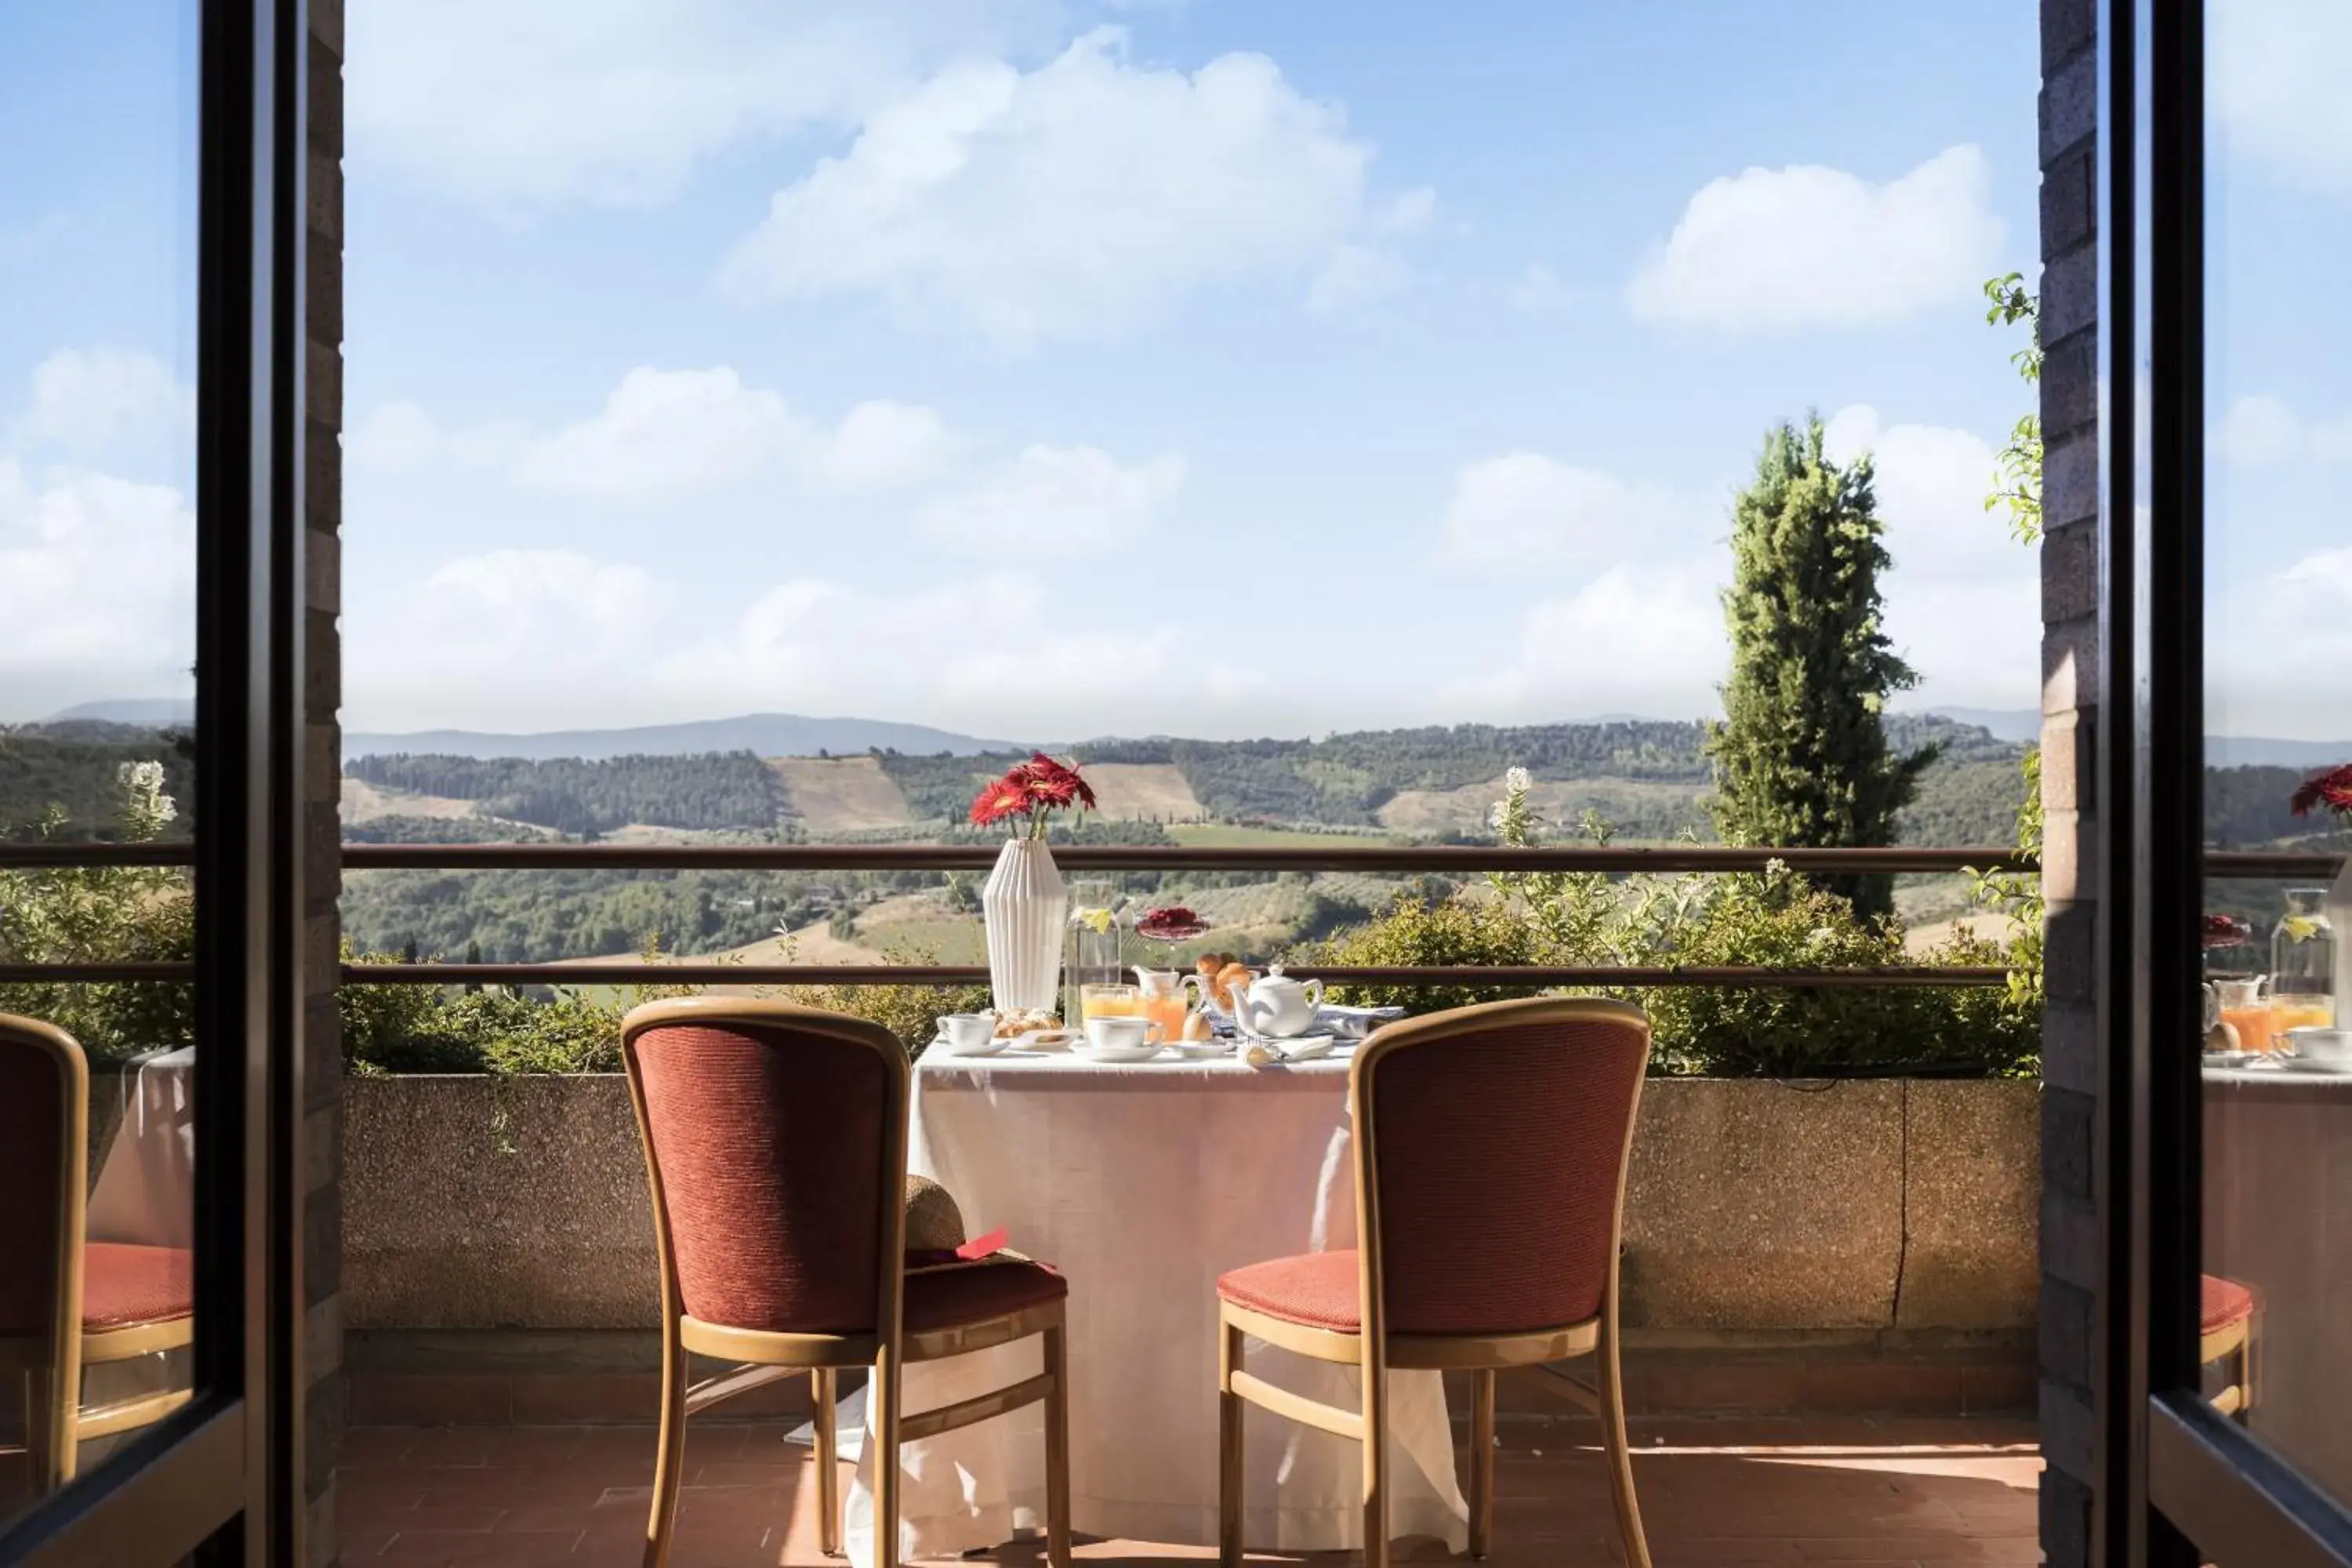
(1025, 906)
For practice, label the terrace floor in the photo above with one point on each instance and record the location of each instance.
(1852, 1491)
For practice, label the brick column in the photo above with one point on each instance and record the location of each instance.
(323, 506)
(2069, 694)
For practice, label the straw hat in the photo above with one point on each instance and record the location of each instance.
(935, 1235)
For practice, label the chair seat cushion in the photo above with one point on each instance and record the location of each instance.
(1317, 1290)
(122, 1285)
(952, 1297)
(2220, 1303)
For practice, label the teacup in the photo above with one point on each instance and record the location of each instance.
(968, 1031)
(2329, 1048)
(1117, 1032)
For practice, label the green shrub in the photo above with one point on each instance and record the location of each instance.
(104, 914)
(1768, 919)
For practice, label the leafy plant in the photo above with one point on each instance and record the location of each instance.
(2017, 477)
(1801, 757)
(90, 914)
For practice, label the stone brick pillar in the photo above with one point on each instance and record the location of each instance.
(323, 507)
(2071, 876)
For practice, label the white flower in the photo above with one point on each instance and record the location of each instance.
(1775, 867)
(1498, 814)
(1516, 780)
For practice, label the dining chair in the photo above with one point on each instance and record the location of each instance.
(66, 1304)
(1490, 1152)
(775, 1145)
(2227, 1315)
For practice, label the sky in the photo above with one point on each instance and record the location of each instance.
(1040, 368)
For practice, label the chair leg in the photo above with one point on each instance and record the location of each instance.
(669, 1457)
(1482, 1461)
(1229, 1446)
(49, 1447)
(822, 1395)
(1057, 1447)
(1376, 1458)
(882, 1432)
(1620, 1450)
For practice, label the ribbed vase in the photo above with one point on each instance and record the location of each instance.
(1025, 906)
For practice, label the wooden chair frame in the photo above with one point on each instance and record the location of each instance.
(765, 1357)
(50, 1369)
(1376, 1351)
(2234, 1343)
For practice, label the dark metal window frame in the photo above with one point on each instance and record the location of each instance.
(2183, 1485)
(219, 1481)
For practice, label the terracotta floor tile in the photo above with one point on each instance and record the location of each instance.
(1765, 1490)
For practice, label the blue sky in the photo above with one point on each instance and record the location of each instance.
(1054, 370)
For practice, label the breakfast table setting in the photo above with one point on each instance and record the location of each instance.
(1143, 1168)
(1144, 1129)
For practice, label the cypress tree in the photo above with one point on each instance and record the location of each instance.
(1801, 758)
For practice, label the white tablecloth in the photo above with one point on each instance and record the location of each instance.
(1144, 1183)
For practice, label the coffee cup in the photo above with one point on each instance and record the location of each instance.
(2323, 1047)
(968, 1031)
(1118, 1032)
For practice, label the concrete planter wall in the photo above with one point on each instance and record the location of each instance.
(1754, 1207)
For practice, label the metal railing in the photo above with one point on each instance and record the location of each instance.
(1339, 855)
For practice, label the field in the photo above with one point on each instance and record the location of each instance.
(840, 795)
(1230, 835)
(365, 802)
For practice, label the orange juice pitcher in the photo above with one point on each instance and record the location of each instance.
(1168, 998)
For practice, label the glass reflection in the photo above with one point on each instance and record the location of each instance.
(98, 156)
(2276, 1341)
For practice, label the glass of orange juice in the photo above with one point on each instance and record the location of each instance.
(1108, 1001)
(2246, 1010)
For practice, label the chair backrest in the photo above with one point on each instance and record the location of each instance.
(1492, 1144)
(43, 1160)
(775, 1140)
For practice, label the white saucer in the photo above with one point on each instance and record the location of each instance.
(940, 1044)
(1201, 1050)
(1086, 1051)
(1045, 1040)
(2317, 1069)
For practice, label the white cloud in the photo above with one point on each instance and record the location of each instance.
(552, 616)
(1079, 199)
(1964, 597)
(1804, 246)
(97, 587)
(2261, 628)
(2259, 431)
(1060, 499)
(1640, 638)
(511, 105)
(663, 434)
(109, 403)
(1524, 509)
(2277, 70)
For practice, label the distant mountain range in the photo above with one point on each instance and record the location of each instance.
(767, 734)
(796, 735)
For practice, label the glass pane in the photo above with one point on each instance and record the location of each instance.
(98, 203)
(2277, 1341)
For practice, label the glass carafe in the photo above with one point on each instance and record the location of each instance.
(1094, 953)
(2303, 964)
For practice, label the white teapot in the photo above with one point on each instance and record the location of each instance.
(1276, 1005)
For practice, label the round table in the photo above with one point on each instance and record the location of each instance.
(1144, 1183)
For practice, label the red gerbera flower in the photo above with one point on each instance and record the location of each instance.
(1056, 781)
(1007, 796)
(2332, 789)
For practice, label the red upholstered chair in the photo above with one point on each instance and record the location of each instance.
(1491, 1145)
(2227, 1313)
(65, 1305)
(775, 1140)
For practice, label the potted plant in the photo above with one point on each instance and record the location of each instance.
(1024, 902)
